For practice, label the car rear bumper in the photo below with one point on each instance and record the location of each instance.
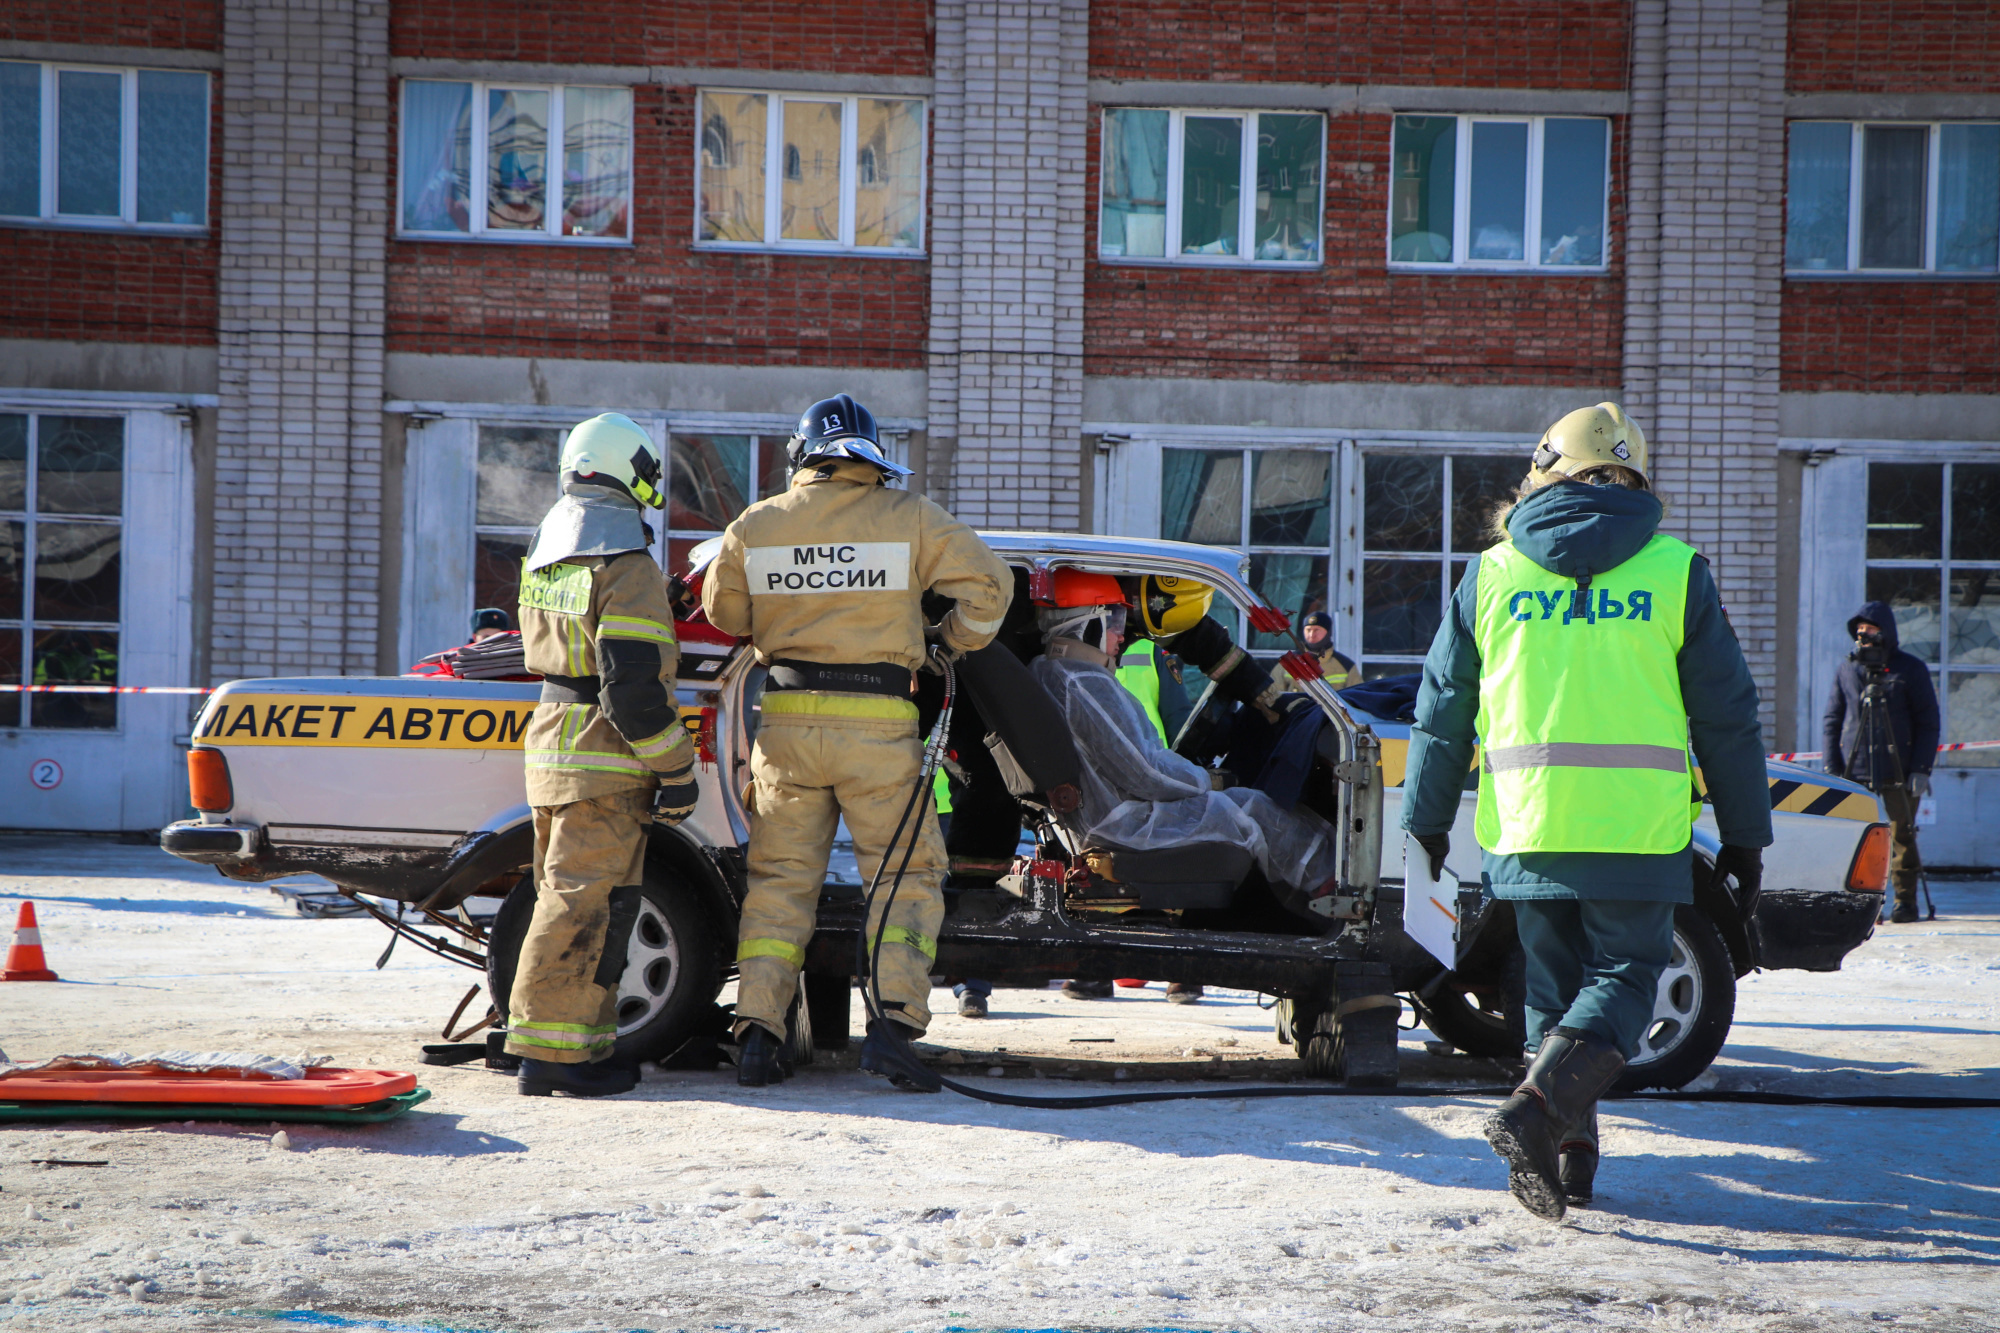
(1813, 929)
(212, 844)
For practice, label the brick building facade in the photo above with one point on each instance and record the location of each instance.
(334, 274)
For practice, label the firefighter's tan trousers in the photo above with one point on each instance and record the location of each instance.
(806, 773)
(564, 1004)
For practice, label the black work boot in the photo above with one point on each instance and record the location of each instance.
(888, 1055)
(760, 1059)
(544, 1078)
(1904, 912)
(1570, 1072)
(1579, 1161)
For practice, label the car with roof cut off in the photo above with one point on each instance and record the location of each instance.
(410, 790)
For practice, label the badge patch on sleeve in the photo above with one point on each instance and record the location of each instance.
(842, 567)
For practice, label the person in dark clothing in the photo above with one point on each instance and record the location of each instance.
(1582, 652)
(1895, 761)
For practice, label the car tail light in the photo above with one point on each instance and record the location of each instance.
(209, 790)
(1869, 872)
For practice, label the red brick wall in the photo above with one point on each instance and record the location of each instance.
(1891, 337)
(1353, 319)
(1460, 43)
(1910, 46)
(186, 24)
(660, 299)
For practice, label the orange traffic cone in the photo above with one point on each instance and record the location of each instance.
(24, 960)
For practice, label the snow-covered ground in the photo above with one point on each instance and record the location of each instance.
(834, 1203)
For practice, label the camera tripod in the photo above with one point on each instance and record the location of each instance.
(1875, 735)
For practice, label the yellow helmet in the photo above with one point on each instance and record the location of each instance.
(1592, 437)
(1168, 605)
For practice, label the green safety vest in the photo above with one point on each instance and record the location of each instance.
(1583, 731)
(1140, 676)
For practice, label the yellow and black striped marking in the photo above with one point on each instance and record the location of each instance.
(1793, 797)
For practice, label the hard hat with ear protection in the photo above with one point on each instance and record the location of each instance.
(1592, 437)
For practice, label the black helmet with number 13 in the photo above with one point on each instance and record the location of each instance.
(839, 427)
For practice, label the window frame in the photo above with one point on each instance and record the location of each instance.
(551, 232)
(850, 170)
(1856, 148)
(1246, 217)
(128, 153)
(1461, 199)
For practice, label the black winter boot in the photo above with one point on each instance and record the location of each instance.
(1579, 1161)
(760, 1059)
(543, 1078)
(1570, 1072)
(880, 1057)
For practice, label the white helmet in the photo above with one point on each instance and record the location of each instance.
(614, 450)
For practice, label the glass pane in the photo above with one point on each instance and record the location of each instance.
(13, 462)
(1295, 584)
(1573, 191)
(809, 199)
(1288, 187)
(732, 166)
(517, 475)
(1402, 503)
(10, 674)
(437, 156)
(774, 468)
(20, 156)
(1211, 184)
(889, 174)
(87, 142)
(173, 147)
(1969, 198)
(81, 466)
(1975, 511)
(1971, 713)
(1913, 595)
(1201, 496)
(1975, 618)
(1290, 504)
(710, 483)
(597, 162)
(1816, 195)
(1905, 510)
(13, 561)
(1892, 195)
(517, 160)
(76, 571)
(75, 657)
(1480, 486)
(1401, 605)
(1135, 184)
(496, 574)
(1498, 209)
(1422, 189)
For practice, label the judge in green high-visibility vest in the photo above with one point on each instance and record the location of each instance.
(1586, 650)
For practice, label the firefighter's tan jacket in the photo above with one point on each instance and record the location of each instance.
(603, 621)
(834, 571)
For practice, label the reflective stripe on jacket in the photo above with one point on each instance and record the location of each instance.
(1585, 734)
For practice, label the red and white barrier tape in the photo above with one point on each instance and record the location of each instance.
(107, 689)
(1794, 756)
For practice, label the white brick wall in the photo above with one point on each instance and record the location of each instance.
(1006, 334)
(305, 199)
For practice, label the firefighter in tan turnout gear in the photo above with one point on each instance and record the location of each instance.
(606, 752)
(827, 581)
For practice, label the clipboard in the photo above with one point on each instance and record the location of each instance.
(1430, 906)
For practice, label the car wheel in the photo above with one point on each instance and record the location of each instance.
(1473, 1021)
(670, 978)
(1693, 1007)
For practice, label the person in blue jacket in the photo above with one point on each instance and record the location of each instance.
(1582, 652)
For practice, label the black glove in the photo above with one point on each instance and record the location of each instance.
(675, 800)
(1438, 845)
(1920, 785)
(1745, 865)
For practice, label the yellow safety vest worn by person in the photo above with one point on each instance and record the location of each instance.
(1139, 673)
(1584, 731)
(827, 580)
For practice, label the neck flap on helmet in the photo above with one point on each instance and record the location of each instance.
(589, 520)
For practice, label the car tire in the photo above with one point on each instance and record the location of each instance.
(671, 979)
(1695, 1004)
(1471, 1022)
(1356, 1050)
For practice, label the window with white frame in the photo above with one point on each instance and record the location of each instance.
(62, 495)
(712, 479)
(96, 146)
(1212, 187)
(1422, 515)
(476, 161)
(810, 171)
(1933, 555)
(1896, 198)
(1526, 192)
(517, 483)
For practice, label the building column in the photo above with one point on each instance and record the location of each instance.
(1704, 267)
(1005, 356)
(305, 209)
